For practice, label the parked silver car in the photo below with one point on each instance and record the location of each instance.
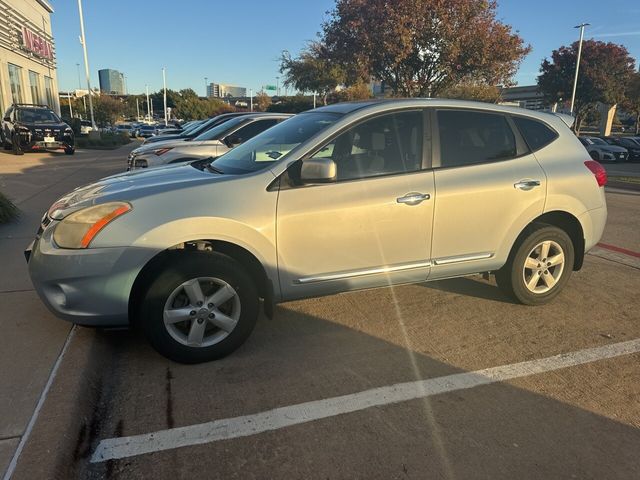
(344, 197)
(212, 143)
(603, 152)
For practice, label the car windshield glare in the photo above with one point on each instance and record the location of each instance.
(273, 144)
(219, 131)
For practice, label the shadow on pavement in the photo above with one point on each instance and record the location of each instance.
(494, 431)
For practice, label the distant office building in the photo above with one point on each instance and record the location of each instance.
(111, 81)
(527, 96)
(220, 90)
(27, 54)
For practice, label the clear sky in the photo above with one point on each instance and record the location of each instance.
(239, 42)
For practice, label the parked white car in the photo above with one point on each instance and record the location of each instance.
(211, 143)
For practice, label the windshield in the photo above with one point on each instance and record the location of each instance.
(598, 141)
(37, 115)
(627, 142)
(273, 144)
(220, 130)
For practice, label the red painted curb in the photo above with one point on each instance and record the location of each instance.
(618, 249)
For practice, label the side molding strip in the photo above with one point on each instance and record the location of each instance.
(462, 258)
(359, 273)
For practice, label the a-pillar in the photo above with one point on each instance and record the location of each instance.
(607, 114)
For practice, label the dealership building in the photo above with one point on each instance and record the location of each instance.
(27, 54)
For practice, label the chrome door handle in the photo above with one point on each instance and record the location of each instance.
(413, 198)
(526, 184)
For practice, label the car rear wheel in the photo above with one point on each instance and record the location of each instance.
(595, 155)
(69, 150)
(539, 266)
(201, 307)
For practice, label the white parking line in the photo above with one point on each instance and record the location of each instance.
(123, 447)
(43, 396)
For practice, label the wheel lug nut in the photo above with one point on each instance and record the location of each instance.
(210, 305)
(546, 272)
(199, 303)
(212, 315)
(200, 320)
(192, 313)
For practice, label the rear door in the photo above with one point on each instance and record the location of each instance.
(488, 188)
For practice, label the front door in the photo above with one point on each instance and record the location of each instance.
(372, 226)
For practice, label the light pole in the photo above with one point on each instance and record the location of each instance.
(70, 107)
(206, 87)
(83, 41)
(137, 110)
(164, 96)
(148, 104)
(575, 79)
(278, 86)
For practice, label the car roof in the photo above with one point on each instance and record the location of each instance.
(381, 105)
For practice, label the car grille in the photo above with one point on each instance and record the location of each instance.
(38, 134)
(44, 223)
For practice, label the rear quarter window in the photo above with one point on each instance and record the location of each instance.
(535, 133)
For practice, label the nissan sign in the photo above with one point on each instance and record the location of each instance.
(36, 44)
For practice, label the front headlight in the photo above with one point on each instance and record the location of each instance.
(80, 228)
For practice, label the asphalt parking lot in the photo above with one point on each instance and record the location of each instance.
(399, 382)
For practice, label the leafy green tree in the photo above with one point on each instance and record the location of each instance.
(632, 99)
(606, 69)
(107, 110)
(421, 47)
(473, 91)
(311, 71)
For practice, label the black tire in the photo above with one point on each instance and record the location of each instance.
(511, 278)
(3, 140)
(15, 145)
(595, 155)
(70, 151)
(179, 268)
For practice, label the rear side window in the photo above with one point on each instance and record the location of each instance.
(468, 137)
(535, 133)
(254, 128)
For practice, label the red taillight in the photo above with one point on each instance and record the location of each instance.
(598, 171)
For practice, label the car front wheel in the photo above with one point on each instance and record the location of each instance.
(69, 150)
(201, 307)
(539, 266)
(15, 145)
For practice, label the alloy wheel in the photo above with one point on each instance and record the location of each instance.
(543, 267)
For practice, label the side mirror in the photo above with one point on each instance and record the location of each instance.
(318, 170)
(233, 141)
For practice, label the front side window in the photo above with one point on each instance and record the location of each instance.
(34, 82)
(385, 145)
(15, 81)
(468, 138)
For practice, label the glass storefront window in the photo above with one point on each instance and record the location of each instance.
(49, 92)
(34, 81)
(15, 80)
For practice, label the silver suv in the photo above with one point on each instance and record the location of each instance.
(344, 197)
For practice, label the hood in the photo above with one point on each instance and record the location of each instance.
(151, 146)
(45, 126)
(132, 185)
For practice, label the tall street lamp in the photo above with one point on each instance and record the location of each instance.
(148, 104)
(164, 96)
(83, 41)
(575, 79)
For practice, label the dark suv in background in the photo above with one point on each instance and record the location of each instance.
(35, 127)
(632, 146)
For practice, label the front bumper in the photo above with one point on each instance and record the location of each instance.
(85, 286)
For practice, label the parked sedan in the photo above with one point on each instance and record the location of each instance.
(147, 131)
(211, 143)
(340, 198)
(632, 146)
(601, 151)
(198, 129)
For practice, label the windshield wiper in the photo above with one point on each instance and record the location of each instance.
(213, 169)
